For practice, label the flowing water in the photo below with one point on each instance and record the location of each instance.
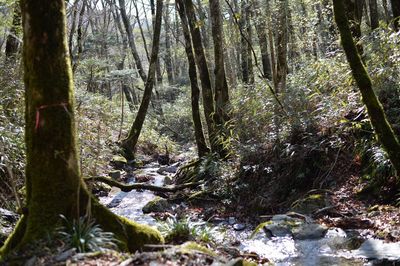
(337, 247)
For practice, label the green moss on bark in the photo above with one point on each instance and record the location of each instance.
(383, 130)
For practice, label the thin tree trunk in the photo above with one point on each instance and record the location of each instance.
(131, 41)
(373, 14)
(79, 37)
(168, 55)
(261, 29)
(282, 41)
(12, 42)
(202, 148)
(376, 113)
(129, 144)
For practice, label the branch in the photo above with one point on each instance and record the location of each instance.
(127, 188)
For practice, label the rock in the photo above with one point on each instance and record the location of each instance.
(193, 247)
(309, 231)
(168, 169)
(158, 204)
(310, 204)
(119, 162)
(231, 220)
(8, 216)
(168, 180)
(116, 174)
(240, 262)
(280, 230)
(7, 222)
(239, 227)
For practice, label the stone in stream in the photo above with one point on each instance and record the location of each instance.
(116, 174)
(118, 162)
(239, 227)
(310, 204)
(7, 221)
(158, 204)
(309, 231)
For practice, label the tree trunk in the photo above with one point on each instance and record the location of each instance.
(244, 45)
(201, 62)
(12, 43)
(129, 144)
(221, 86)
(79, 38)
(202, 148)
(131, 40)
(282, 41)
(168, 55)
(396, 14)
(261, 28)
(354, 15)
(53, 180)
(376, 114)
(373, 14)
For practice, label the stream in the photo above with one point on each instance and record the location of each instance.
(308, 244)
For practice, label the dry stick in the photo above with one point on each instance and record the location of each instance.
(127, 188)
(255, 57)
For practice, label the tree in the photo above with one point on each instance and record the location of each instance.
(12, 43)
(374, 14)
(383, 130)
(396, 14)
(221, 95)
(129, 144)
(53, 180)
(202, 148)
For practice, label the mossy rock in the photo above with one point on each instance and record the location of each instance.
(118, 161)
(158, 204)
(240, 262)
(115, 174)
(193, 247)
(310, 204)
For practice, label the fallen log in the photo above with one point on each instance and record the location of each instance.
(129, 187)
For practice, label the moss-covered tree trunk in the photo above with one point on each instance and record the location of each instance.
(53, 181)
(207, 92)
(376, 114)
(202, 148)
(129, 144)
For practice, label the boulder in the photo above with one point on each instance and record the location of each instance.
(309, 231)
(158, 204)
(119, 162)
(310, 204)
(116, 174)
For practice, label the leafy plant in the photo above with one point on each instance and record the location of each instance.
(85, 235)
(181, 230)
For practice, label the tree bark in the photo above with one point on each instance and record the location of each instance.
(396, 14)
(221, 96)
(12, 42)
(131, 40)
(202, 148)
(282, 41)
(202, 65)
(261, 29)
(53, 180)
(129, 144)
(383, 130)
(373, 14)
(168, 55)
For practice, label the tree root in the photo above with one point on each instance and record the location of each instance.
(127, 188)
